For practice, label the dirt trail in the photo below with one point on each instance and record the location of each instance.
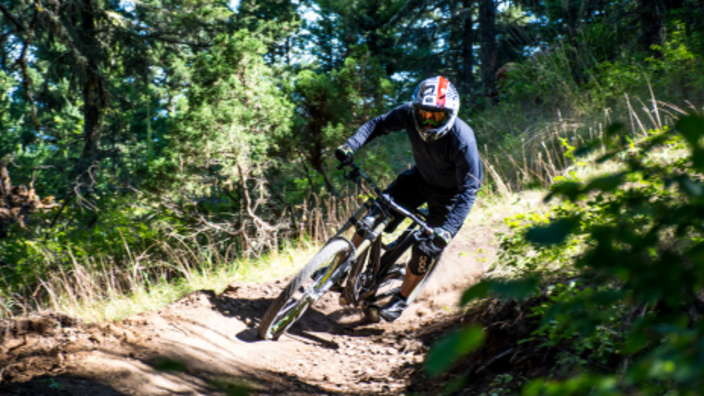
(214, 336)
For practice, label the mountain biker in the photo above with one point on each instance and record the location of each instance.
(447, 175)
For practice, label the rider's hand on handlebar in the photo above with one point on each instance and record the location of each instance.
(433, 244)
(441, 237)
(344, 154)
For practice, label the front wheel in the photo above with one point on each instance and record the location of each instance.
(302, 291)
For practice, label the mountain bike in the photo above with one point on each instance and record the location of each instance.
(364, 275)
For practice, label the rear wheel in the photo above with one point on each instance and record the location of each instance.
(302, 291)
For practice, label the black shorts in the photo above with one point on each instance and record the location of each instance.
(411, 191)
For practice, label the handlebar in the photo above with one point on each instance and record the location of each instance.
(354, 176)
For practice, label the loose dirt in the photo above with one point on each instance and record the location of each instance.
(204, 342)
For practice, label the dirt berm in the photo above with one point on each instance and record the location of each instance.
(204, 342)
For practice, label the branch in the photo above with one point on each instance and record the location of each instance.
(5, 183)
(411, 22)
(222, 187)
(12, 18)
(26, 78)
(248, 204)
(174, 41)
(398, 14)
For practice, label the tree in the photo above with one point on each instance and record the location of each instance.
(275, 23)
(331, 105)
(487, 36)
(466, 75)
(91, 66)
(229, 121)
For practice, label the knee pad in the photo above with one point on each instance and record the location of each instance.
(420, 262)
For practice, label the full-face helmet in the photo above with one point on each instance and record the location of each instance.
(435, 104)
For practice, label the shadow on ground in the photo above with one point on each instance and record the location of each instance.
(58, 386)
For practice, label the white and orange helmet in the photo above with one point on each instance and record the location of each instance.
(435, 104)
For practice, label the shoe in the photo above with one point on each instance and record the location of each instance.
(393, 309)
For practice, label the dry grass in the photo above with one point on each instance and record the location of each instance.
(92, 295)
(544, 150)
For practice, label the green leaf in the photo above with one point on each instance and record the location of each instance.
(571, 190)
(608, 297)
(556, 232)
(698, 158)
(690, 187)
(635, 342)
(606, 183)
(480, 290)
(517, 289)
(691, 128)
(449, 349)
(696, 253)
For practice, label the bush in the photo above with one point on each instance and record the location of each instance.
(625, 254)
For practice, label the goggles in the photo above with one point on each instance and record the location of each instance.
(431, 118)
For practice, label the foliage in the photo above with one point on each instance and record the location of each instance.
(228, 123)
(630, 244)
(331, 105)
(644, 246)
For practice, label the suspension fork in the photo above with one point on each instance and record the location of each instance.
(353, 220)
(373, 236)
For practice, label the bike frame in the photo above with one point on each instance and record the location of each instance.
(381, 263)
(366, 272)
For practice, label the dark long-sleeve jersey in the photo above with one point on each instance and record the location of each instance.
(451, 164)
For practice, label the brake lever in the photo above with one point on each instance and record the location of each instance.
(352, 175)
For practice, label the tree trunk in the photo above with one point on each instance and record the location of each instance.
(487, 35)
(317, 163)
(93, 94)
(571, 14)
(328, 183)
(466, 85)
(652, 26)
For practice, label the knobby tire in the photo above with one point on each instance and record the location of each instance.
(285, 301)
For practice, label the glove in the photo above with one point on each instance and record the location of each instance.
(434, 244)
(428, 248)
(344, 154)
(441, 237)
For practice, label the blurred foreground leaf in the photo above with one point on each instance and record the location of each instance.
(449, 349)
(552, 234)
(519, 288)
